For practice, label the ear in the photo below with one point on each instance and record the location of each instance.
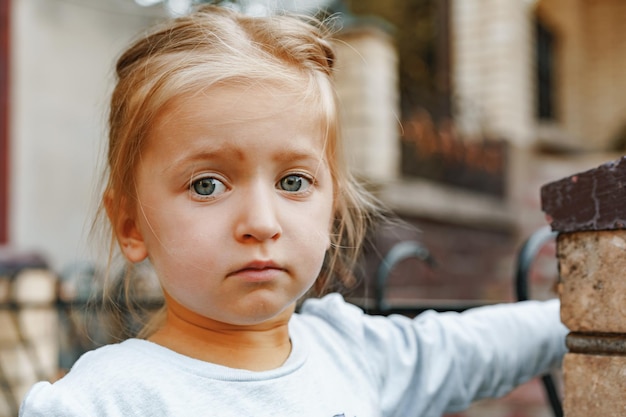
(124, 223)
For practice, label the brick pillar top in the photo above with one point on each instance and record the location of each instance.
(591, 200)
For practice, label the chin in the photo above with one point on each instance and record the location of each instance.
(263, 312)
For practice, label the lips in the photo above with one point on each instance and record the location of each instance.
(258, 271)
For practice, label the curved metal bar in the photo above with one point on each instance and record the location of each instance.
(398, 253)
(525, 258)
(553, 395)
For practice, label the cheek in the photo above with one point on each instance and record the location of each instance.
(318, 227)
(168, 234)
(153, 229)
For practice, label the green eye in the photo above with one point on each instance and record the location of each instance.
(208, 187)
(294, 183)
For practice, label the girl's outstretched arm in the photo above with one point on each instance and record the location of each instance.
(442, 362)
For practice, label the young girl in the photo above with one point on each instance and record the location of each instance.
(224, 172)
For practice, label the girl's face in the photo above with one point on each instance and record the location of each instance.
(235, 202)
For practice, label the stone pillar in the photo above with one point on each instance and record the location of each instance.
(589, 212)
(366, 79)
(492, 51)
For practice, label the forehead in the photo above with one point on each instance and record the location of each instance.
(242, 102)
(240, 115)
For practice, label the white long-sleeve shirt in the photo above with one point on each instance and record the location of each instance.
(343, 364)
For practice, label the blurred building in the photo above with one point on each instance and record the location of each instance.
(59, 57)
(510, 95)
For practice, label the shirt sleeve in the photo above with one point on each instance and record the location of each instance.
(442, 362)
(43, 401)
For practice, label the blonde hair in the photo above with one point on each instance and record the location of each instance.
(214, 45)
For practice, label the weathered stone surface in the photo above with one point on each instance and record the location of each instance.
(591, 200)
(594, 385)
(592, 269)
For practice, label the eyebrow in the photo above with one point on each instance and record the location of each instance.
(299, 154)
(218, 152)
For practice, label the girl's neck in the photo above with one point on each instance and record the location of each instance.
(242, 347)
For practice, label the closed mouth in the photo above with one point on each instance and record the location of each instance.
(258, 266)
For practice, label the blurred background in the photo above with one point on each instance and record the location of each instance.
(454, 112)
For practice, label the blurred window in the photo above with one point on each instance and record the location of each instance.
(4, 103)
(422, 33)
(545, 45)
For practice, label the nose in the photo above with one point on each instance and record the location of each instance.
(258, 217)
